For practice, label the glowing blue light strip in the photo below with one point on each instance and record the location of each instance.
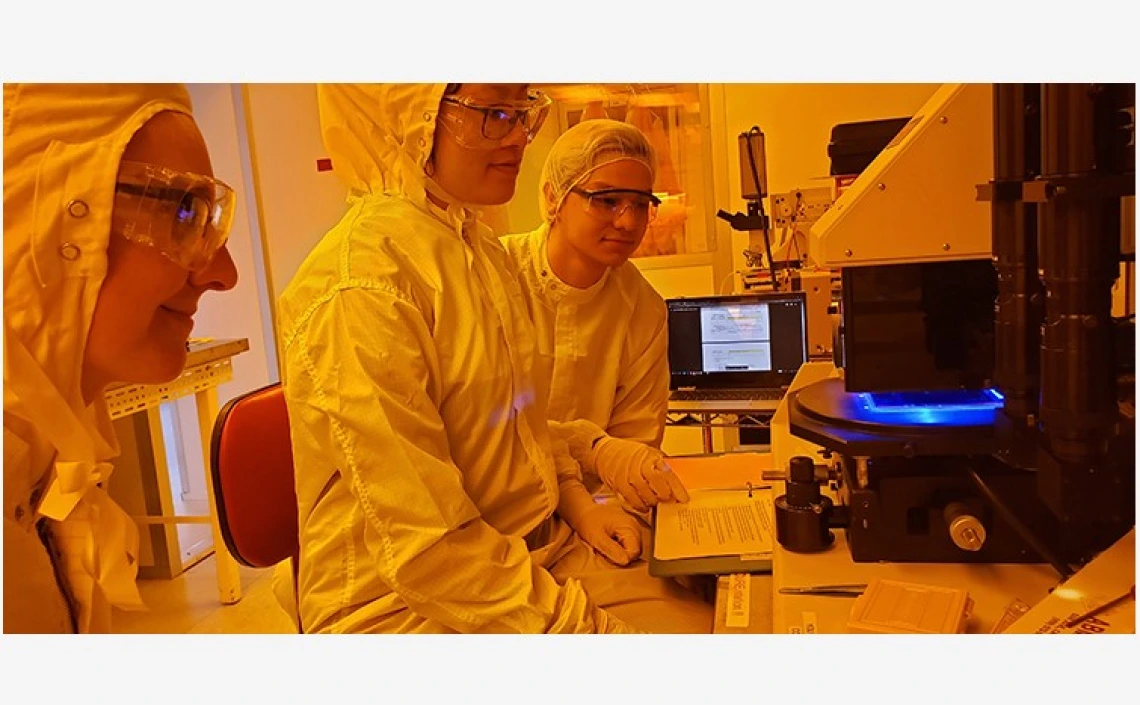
(960, 400)
(951, 408)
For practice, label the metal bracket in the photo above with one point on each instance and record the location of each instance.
(714, 419)
(126, 400)
(1045, 189)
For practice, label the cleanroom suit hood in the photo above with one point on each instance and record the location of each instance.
(425, 475)
(62, 148)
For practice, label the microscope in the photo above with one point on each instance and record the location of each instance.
(753, 189)
(794, 210)
(985, 408)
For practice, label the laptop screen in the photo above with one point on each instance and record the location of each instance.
(744, 340)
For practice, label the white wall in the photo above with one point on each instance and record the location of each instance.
(297, 204)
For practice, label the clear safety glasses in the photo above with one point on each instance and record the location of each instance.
(479, 126)
(611, 204)
(184, 216)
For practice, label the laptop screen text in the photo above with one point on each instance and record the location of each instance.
(741, 341)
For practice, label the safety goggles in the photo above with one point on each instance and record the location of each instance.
(184, 216)
(478, 126)
(610, 204)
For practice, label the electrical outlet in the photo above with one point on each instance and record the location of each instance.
(803, 205)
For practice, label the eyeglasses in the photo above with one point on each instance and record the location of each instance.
(611, 204)
(185, 216)
(496, 121)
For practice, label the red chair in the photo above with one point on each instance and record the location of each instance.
(251, 461)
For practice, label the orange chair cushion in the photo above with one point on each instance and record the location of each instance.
(252, 464)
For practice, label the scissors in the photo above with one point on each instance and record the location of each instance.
(845, 590)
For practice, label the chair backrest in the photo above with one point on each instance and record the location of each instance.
(251, 460)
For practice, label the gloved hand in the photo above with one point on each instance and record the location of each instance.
(612, 532)
(637, 472)
(607, 527)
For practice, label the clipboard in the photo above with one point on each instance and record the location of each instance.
(708, 565)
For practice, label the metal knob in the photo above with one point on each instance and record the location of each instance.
(966, 530)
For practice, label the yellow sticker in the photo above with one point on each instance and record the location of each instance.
(739, 600)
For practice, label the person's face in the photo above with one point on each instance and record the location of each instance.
(602, 241)
(481, 175)
(144, 312)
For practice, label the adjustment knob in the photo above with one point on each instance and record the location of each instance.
(966, 530)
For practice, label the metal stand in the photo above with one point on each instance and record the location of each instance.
(708, 420)
(206, 367)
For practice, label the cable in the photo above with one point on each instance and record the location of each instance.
(760, 205)
(1022, 530)
(720, 289)
(795, 242)
(1128, 275)
(786, 272)
(795, 231)
(783, 237)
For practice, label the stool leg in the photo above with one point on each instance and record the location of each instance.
(229, 580)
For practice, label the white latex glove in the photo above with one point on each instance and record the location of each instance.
(611, 530)
(638, 473)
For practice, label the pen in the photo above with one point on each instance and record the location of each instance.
(1130, 595)
(848, 590)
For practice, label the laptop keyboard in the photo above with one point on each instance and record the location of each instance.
(728, 394)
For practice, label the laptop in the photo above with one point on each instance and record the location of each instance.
(735, 353)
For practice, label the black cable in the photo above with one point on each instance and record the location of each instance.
(1022, 530)
(799, 257)
(760, 204)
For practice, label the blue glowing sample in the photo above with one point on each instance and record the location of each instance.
(941, 400)
(966, 407)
